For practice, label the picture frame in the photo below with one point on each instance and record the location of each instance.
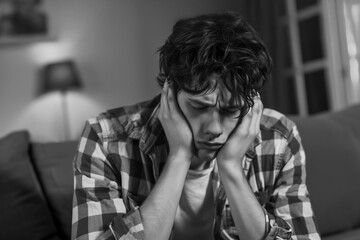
(23, 21)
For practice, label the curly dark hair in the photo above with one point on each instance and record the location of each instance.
(223, 44)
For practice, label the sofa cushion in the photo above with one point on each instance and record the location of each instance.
(23, 209)
(53, 163)
(332, 146)
(348, 235)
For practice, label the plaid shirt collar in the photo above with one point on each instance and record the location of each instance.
(153, 129)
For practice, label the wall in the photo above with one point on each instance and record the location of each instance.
(114, 43)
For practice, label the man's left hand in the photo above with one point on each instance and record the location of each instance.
(241, 137)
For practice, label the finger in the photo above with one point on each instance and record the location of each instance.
(172, 100)
(164, 97)
(257, 113)
(243, 128)
(260, 112)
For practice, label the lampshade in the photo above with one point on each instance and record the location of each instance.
(60, 76)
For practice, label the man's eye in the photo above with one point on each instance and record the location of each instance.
(231, 111)
(199, 107)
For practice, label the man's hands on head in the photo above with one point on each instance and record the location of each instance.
(159, 209)
(177, 130)
(242, 136)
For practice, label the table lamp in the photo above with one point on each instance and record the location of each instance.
(61, 76)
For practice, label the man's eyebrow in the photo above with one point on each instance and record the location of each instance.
(197, 101)
(228, 106)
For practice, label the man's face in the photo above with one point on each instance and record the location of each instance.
(211, 117)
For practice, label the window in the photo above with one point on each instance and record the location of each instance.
(309, 55)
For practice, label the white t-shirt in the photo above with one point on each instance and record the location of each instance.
(196, 211)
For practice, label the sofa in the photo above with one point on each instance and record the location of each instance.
(36, 180)
(332, 146)
(36, 184)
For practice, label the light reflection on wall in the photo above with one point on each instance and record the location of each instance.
(44, 120)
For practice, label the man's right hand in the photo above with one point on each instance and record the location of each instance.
(158, 211)
(177, 130)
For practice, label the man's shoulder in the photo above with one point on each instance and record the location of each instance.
(126, 121)
(275, 121)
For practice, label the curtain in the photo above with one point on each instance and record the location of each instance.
(261, 14)
(279, 93)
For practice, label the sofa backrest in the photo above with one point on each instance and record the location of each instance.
(24, 212)
(53, 164)
(332, 147)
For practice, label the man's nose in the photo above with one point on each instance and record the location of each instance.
(213, 126)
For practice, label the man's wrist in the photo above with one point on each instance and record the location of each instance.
(230, 167)
(181, 156)
(230, 162)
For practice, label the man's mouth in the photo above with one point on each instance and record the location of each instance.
(209, 145)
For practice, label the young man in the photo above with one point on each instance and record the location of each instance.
(203, 160)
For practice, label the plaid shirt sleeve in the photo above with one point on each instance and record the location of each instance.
(98, 208)
(289, 208)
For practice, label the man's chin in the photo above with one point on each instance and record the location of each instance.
(206, 155)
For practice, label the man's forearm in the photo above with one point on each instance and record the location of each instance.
(159, 209)
(247, 213)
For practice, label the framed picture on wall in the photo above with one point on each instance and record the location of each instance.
(23, 21)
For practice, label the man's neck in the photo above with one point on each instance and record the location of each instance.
(197, 164)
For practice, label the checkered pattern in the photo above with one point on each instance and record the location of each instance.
(122, 152)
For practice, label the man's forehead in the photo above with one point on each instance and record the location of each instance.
(218, 95)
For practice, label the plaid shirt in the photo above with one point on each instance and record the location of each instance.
(122, 152)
